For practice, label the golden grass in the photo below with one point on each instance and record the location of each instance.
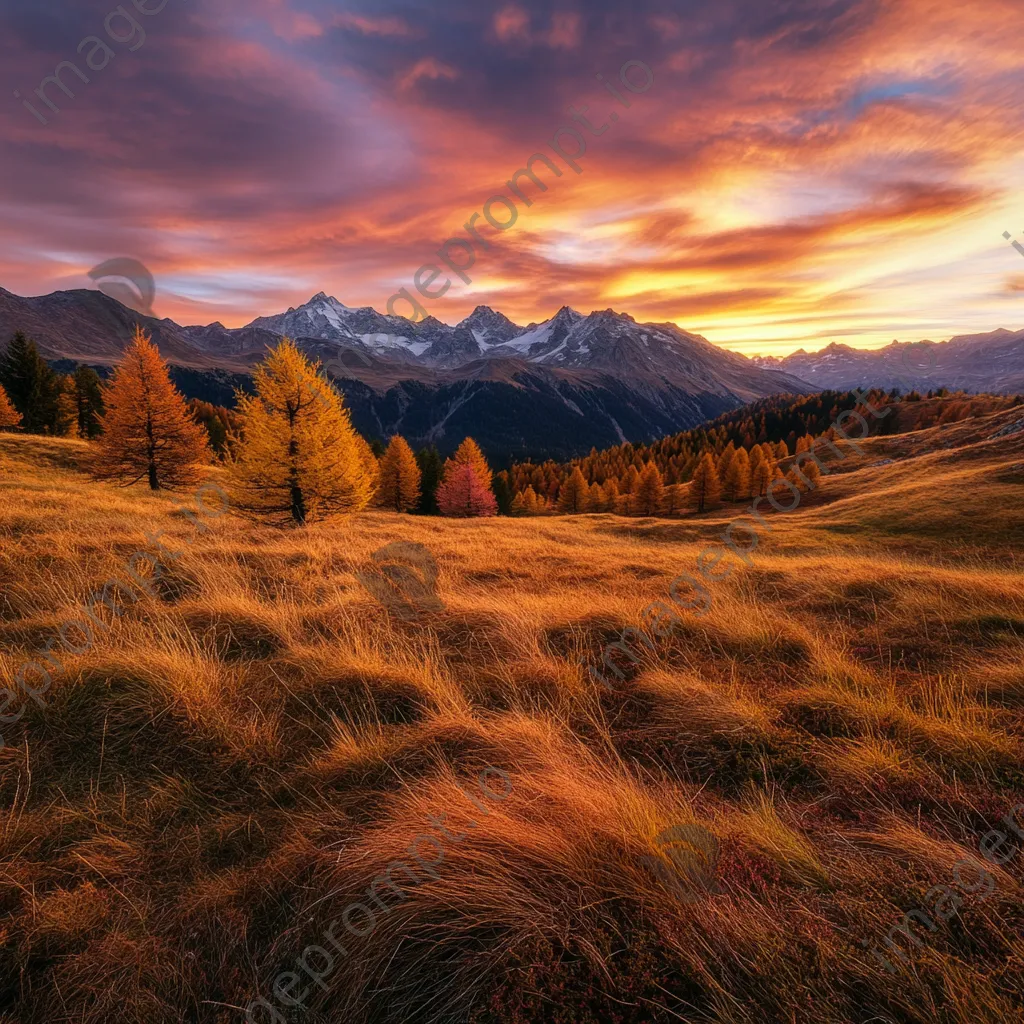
(240, 754)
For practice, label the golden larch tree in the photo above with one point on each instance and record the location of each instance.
(148, 432)
(736, 484)
(574, 495)
(705, 485)
(298, 459)
(8, 414)
(399, 485)
(649, 493)
(595, 498)
(675, 499)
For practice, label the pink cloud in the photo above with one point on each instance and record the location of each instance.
(428, 67)
(373, 26)
(511, 23)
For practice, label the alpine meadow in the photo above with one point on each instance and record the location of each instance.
(632, 633)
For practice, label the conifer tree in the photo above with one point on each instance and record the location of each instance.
(764, 471)
(462, 494)
(649, 492)
(736, 484)
(675, 499)
(573, 495)
(705, 486)
(431, 467)
(298, 459)
(525, 503)
(89, 400)
(459, 495)
(595, 498)
(468, 454)
(399, 485)
(66, 419)
(611, 494)
(725, 461)
(30, 385)
(147, 430)
(9, 416)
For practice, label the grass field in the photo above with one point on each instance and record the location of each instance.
(236, 757)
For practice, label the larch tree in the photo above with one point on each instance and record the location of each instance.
(705, 485)
(675, 499)
(574, 495)
(763, 470)
(462, 494)
(147, 430)
(736, 484)
(525, 502)
(9, 416)
(595, 498)
(611, 494)
(66, 419)
(468, 454)
(399, 485)
(649, 493)
(298, 459)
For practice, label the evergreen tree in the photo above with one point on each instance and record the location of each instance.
(89, 400)
(649, 492)
(462, 494)
(30, 384)
(705, 485)
(9, 416)
(502, 493)
(399, 486)
(573, 494)
(298, 459)
(431, 467)
(147, 430)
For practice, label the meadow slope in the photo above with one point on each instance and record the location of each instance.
(237, 756)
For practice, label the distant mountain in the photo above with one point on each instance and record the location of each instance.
(551, 389)
(992, 362)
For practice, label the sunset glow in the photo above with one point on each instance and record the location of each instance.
(836, 172)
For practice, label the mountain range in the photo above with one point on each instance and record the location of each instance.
(552, 389)
(992, 362)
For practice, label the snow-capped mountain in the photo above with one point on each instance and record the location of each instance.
(604, 341)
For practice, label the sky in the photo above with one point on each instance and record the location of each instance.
(786, 174)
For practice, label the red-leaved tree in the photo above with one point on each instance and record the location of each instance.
(462, 494)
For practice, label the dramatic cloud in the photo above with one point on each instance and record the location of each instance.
(800, 171)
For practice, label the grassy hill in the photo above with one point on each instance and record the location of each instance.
(241, 751)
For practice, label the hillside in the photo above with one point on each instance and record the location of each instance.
(211, 785)
(782, 420)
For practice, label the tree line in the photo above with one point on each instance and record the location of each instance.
(290, 453)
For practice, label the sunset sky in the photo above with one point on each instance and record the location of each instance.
(799, 172)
